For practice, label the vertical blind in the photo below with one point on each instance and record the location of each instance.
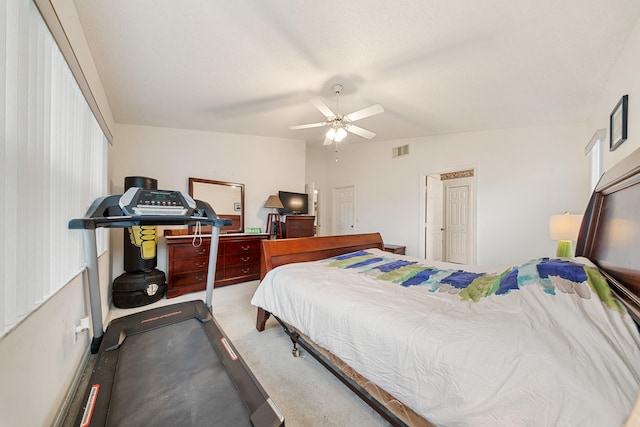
(53, 163)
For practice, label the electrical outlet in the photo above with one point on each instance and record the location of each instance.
(83, 325)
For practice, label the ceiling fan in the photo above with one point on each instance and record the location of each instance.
(340, 124)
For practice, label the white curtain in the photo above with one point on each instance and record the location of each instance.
(53, 158)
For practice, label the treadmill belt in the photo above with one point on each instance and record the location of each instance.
(172, 376)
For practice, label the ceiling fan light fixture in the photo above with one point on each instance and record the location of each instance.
(337, 133)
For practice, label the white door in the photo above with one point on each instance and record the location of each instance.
(457, 223)
(433, 218)
(344, 210)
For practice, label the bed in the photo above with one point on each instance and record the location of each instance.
(547, 342)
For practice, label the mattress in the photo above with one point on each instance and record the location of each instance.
(542, 343)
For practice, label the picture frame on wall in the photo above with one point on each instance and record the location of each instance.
(618, 123)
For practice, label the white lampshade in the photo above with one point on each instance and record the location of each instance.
(564, 227)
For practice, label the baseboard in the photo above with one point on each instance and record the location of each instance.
(70, 395)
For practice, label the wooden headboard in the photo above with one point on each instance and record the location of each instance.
(610, 231)
(286, 251)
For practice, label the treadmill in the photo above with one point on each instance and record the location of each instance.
(171, 365)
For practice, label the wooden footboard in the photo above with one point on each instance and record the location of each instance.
(286, 251)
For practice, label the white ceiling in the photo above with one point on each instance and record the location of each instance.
(436, 66)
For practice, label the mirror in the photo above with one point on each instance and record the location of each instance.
(226, 198)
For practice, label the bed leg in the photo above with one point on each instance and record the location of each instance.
(296, 351)
(261, 319)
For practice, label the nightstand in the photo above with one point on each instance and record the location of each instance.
(395, 249)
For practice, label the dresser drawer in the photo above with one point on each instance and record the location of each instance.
(189, 251)
(239, 271)
(190, 264)
(240, 247)
(198, 277)
(242, 259)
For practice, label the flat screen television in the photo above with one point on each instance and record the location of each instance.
(294, 203)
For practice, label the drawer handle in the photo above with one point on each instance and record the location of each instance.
(200, 264)
(246, 270)
(246, 248)
(201, 251)
(245, 259)
(199, 278)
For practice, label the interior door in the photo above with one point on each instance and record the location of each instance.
(457, 223)
(433, 218)
(344, 210)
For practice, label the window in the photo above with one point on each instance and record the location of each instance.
(593, 151)
(53, 158)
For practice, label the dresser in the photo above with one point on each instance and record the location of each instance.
(238, 261)
(298, 226)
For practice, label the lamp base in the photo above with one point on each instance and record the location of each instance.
(273, 226)
(565, 249)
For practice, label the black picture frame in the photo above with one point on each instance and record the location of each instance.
(618, 123)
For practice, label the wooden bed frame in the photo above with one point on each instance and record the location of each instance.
(609, 237)
(610, 231)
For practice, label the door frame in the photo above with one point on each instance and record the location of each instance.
(473, 220)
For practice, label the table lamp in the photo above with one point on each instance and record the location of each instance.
(273, 221)
(564, 228)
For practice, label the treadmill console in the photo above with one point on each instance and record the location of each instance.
(137, 201)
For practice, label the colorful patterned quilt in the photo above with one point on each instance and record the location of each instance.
(551, 275)
(539, 344)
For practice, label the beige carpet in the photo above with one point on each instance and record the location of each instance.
(305, 392)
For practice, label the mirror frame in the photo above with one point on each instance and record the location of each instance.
(231, 228)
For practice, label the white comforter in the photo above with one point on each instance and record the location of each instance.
(530, 356)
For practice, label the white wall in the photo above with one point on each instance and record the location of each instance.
(622, 81)
(264, 165)
(522, 176)
(39, 358)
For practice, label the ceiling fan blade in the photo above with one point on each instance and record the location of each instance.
(310, 125)
(365, 112)
(322, 107)
(360, 131)
(327, 141)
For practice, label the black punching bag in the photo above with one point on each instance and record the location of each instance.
(141, 283)
(140, 241)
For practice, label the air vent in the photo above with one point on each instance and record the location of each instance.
(400, 151)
